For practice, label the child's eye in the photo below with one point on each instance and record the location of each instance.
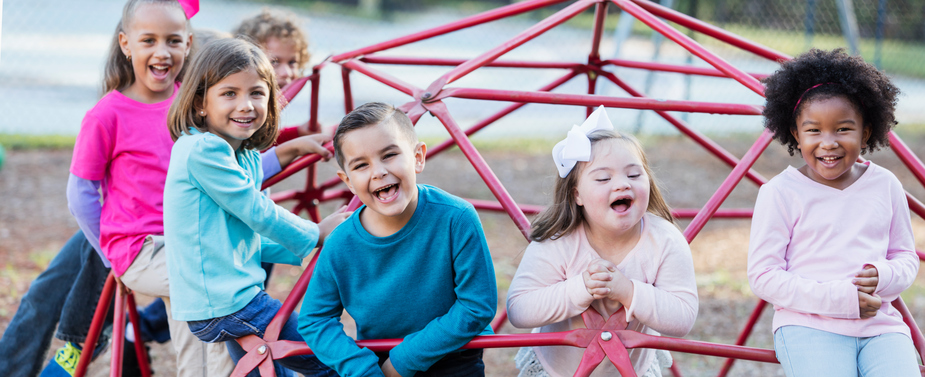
(602, 179)
(359, 166)
(634, 176)
(257, 93)
(274, 63)
(228, 94)
(294, 64)
(148, 40)
(389, 155)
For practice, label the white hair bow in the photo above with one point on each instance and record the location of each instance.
(576, 146)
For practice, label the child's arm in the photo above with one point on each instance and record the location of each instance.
(476, 302)
(898, 271)
(273, 160)
(541, 293)
(320, 326)
(214, 170)
(83, 201)
(767, 267)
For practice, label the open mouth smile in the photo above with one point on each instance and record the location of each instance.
(160, 71)
(387, 193)
(829, 161)
(622, 204)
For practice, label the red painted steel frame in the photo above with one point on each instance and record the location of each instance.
(430, 100)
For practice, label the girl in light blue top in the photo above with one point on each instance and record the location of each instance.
(218, 225)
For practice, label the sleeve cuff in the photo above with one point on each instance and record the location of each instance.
(578, 293)
(269, 162)
(884, 276)
(631, 310)
(399, 364)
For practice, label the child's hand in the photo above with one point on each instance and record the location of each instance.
(388, 370)
(327, 224)
(303, 145)
(603, 280)
(869, 304)
(867, 279)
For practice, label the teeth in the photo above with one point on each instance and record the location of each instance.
(242, 120)
(161, 67)
(385, 188)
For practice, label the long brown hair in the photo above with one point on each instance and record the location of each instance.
(217, 60)
(118, 73)
(564, 214)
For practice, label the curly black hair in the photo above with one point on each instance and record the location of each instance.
(840, 75)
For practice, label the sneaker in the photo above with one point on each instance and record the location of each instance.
(65, 362)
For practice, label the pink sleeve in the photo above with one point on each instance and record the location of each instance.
(92, 150)
(669, 305)
(767, 266)
(901, 266)
(541, 293)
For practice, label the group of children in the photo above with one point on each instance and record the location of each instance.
(173, 149)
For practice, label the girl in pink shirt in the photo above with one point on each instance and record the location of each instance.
(607, 242)
(831, 242)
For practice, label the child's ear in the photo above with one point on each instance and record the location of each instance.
(577, 198)
(796, 135)
(189, 46)
(123, 44)
(867, 133)
(343, 177)
(420, 154)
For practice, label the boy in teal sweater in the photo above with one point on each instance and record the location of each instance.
(411, 263)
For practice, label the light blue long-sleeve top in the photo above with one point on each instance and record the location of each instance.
(431, 283)
(214, 217)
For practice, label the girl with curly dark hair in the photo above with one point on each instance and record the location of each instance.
(831, 242)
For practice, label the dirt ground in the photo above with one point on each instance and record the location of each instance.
(34, 224)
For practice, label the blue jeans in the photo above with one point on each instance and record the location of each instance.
(803, 351)
(253, 320)
(68, 290)
(465, 363)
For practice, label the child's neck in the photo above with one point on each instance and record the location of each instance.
(138, 92)
(379, 225)
(610, 245)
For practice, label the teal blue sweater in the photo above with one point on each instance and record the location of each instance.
(431, 283)
(213, 212)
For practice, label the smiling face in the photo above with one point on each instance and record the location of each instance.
(157, 40)
(380, 167)
(830, 134)
(284, 56)
(613, 188)
(236, 107)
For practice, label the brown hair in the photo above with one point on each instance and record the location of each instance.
(371, 114)
(216, 61)
(564, 215)
(282, 25)
(118, 73)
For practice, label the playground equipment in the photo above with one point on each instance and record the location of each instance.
(604, 337)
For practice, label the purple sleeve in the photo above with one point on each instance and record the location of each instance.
(83, 200)
(270, 163)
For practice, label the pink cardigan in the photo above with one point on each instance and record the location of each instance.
(808, 241)
(548, 292)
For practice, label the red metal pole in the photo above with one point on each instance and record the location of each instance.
(478, 19)
(746, 332)
(99, 316)
(384, 78)
(728, 185)
(313, 109)
(917, 338)
(525, 36)
(348, 94)
(690, 45)
(143, 363)
(440, 110)
(118, 332)
(600, 14)
(699, 138)
(713, 31)
(907, 157)
(375, 59)
(587, 100)
(662, 67)
(294, 167)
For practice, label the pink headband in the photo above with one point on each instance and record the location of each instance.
(807, 91)
(190, 7)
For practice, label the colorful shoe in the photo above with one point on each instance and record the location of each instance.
(65, 362)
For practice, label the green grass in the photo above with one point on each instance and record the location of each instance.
(23, 141)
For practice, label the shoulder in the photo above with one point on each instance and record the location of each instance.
(569, 241)
(665, 234)
(885, 178)
(337, 245)
(447, 204)
(790, 183)
(106, 110)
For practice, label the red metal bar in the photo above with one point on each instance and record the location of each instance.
(690, 45)
(499, 321)
(600, 14)
(746, 332)
(143, 363)
(713, 31)
(348, 94)
(118, 332)
(586, 100)
(524, 37)
(920, 254)
(93, 335)
(728, 185)
(699, 138)
(441, 112)
(313, 109)
(294, 167)
(907, 157)
(917, 338)
(663, 67)
(674, 369)
(478, 19)
(395, 60)
(384, 78)
(592, 87)
(292, 89)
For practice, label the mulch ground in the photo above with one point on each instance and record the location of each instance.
(35, 223)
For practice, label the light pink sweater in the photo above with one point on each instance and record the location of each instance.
(808, 241)
(549, 294)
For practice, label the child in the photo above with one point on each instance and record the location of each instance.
(607, 241)
(286, 45)
(831, 242)
(213, 208)
(411, 263)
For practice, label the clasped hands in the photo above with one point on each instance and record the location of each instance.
(603, 280)
(866, 281)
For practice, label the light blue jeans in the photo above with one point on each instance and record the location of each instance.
(803, 351)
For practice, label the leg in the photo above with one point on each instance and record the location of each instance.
(458, 364)
(890, 354)
(153, 324)
(803, 351)
(28, 336)
(82, 298)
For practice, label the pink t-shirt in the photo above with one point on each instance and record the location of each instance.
(126, 145)
(808, 241)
